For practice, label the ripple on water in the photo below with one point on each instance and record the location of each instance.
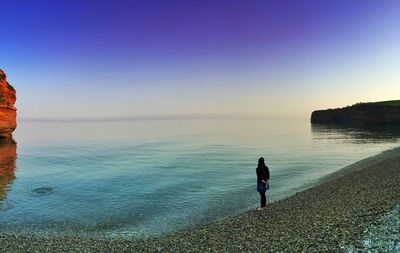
(42, 191)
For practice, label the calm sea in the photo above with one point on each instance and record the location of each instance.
(144, 178)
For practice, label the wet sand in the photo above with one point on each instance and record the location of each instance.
(329, 217)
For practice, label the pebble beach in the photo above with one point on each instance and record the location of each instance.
(355, 209)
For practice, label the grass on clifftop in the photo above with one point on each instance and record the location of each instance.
(362, 104)
(390, 103)
(385, 103)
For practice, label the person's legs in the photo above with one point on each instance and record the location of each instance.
(263, 199)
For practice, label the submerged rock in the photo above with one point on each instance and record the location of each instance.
(42, 191)
(8, 112)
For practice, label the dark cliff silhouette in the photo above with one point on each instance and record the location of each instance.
(387, 112)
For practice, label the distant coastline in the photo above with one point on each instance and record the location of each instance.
(378, 113)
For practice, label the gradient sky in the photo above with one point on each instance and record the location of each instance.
(114, 58)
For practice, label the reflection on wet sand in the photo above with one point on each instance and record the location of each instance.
(8, 157)
(357, 133)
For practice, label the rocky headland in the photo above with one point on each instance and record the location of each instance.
(8, 112)
(379, 113)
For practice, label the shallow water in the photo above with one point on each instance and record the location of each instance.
(142, 178)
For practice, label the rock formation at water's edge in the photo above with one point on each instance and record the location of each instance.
(8, 112)
(386, 112)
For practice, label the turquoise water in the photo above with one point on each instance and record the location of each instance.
(143, 178)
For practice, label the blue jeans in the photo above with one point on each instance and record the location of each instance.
(261, 187)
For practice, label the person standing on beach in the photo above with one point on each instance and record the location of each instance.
(262, 181)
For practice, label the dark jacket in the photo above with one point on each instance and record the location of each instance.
(262, 174)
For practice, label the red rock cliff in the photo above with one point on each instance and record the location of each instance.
(8, 112)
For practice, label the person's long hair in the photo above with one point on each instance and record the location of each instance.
(261, 163)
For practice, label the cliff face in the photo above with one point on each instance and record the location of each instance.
(364, 113)
(8, 112)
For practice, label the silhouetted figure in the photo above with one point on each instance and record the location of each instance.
(262, 181)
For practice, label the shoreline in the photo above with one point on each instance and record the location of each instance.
(330, 216)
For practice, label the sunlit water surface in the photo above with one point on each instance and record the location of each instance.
(144, 178)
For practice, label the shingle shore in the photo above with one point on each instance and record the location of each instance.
(328, 217)
(383, 235)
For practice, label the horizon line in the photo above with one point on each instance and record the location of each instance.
(151, 118)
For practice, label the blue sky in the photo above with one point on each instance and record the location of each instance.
(86, 59)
